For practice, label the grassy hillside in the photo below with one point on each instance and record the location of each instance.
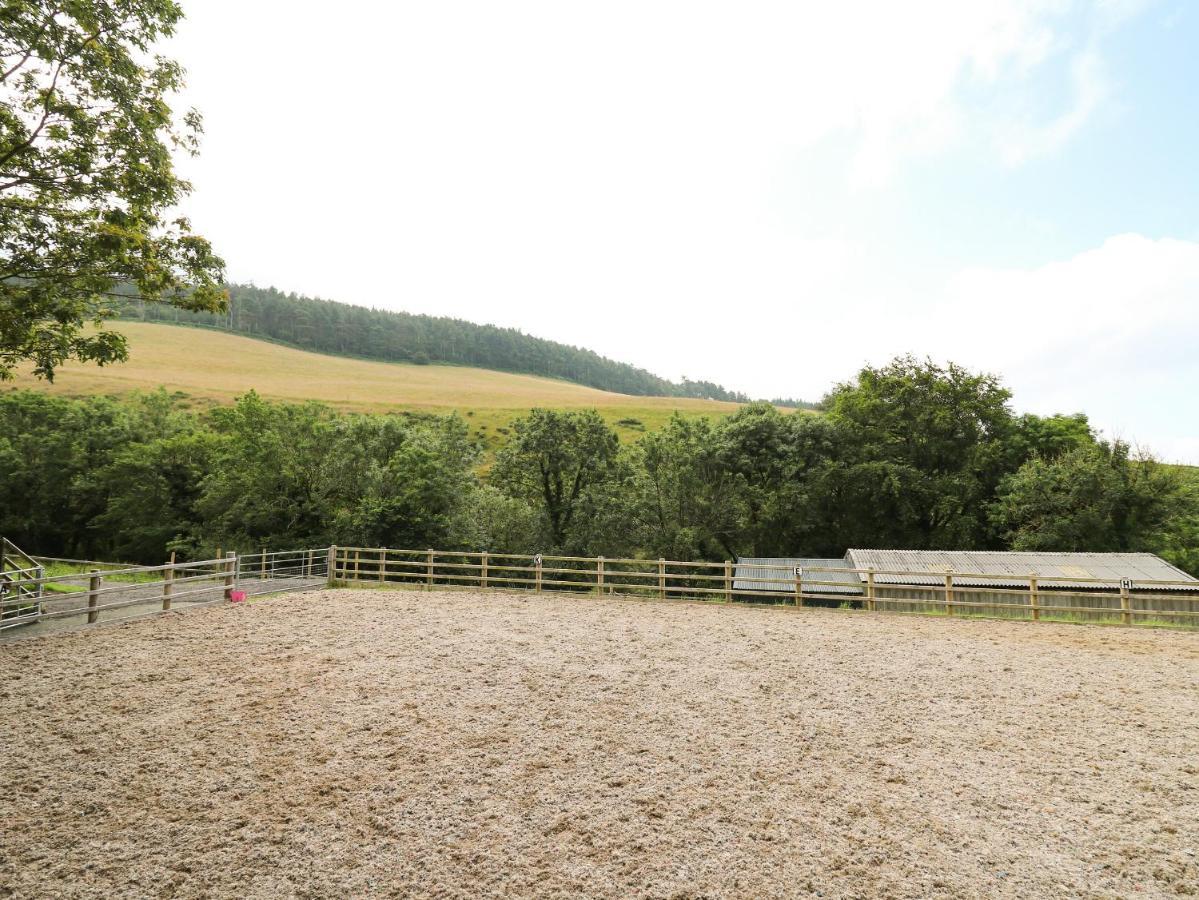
(215, 367)
(1189, 474)
(325, 326)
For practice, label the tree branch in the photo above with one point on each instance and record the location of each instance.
(28, 142)
(32, 45)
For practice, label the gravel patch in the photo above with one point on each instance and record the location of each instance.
(401, 743)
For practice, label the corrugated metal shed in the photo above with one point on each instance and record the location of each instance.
(1052, 569)
(755, 574)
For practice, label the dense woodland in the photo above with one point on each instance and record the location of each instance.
(907, 456)
(329, 327)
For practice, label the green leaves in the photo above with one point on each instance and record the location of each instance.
(100, 479)
(553, 460)
(86, 178)
(1094, 497)
(929, 446)
(410, 500)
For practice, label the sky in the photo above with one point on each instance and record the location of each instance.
(766, 195)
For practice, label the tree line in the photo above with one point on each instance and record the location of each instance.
(326, 326)
(909, 455)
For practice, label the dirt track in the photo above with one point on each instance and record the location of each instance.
(358, 743)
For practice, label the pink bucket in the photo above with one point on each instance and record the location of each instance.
(237, 596)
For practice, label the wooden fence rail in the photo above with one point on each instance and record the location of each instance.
(94, 590)
(1034, 597)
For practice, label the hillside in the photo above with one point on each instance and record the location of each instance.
(215, 367)
(341, 329)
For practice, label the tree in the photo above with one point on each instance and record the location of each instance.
(1046, 436)
(688, 502)
(268, 477)
(934, 418)
(411, 501)
(929, 449)
(1181, 544)
(87, 179)
(152, 489)
(552, 460)
(1093, 498)
(52, 452)
(488, 519)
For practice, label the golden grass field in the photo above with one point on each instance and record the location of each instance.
(214, 367)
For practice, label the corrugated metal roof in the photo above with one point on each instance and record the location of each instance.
(1052, 569)
(778, 574)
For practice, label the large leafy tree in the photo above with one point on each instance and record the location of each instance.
(1093, 498)
(269, 473)
(553, 460)
(689, 503)
(411, 500)
(87, 181)
(488, 519)
(152, 487)
(784, 462)
(1180, 544)
(930, 446)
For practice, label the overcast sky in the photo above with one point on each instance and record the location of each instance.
(767, 195)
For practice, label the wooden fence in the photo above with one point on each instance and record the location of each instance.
(954, 594)
(140, 590)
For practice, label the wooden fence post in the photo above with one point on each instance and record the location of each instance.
(331, 566)
(357, 563)
(264, 563)
(537, 565)
(870, 604)
(661, 578)
(728, 581)
(1125, 605)
(168, 584)
(599, 574)
(93, 588)
(382, 563)
(949, 593)
(430, 576)
(798, 586)
(483, 571)
(230, 573)
(1034, 597)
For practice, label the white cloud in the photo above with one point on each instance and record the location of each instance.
(1112, 331)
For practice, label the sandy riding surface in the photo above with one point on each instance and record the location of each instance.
(357, 743)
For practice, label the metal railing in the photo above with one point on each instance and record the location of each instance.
(121, 592)
(20, 587)
(273, 571)
(953, 594)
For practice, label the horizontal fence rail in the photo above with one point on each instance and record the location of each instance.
(951, 594)
(97, 591)
(271, 572)
(20, 590)
(107, 591)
